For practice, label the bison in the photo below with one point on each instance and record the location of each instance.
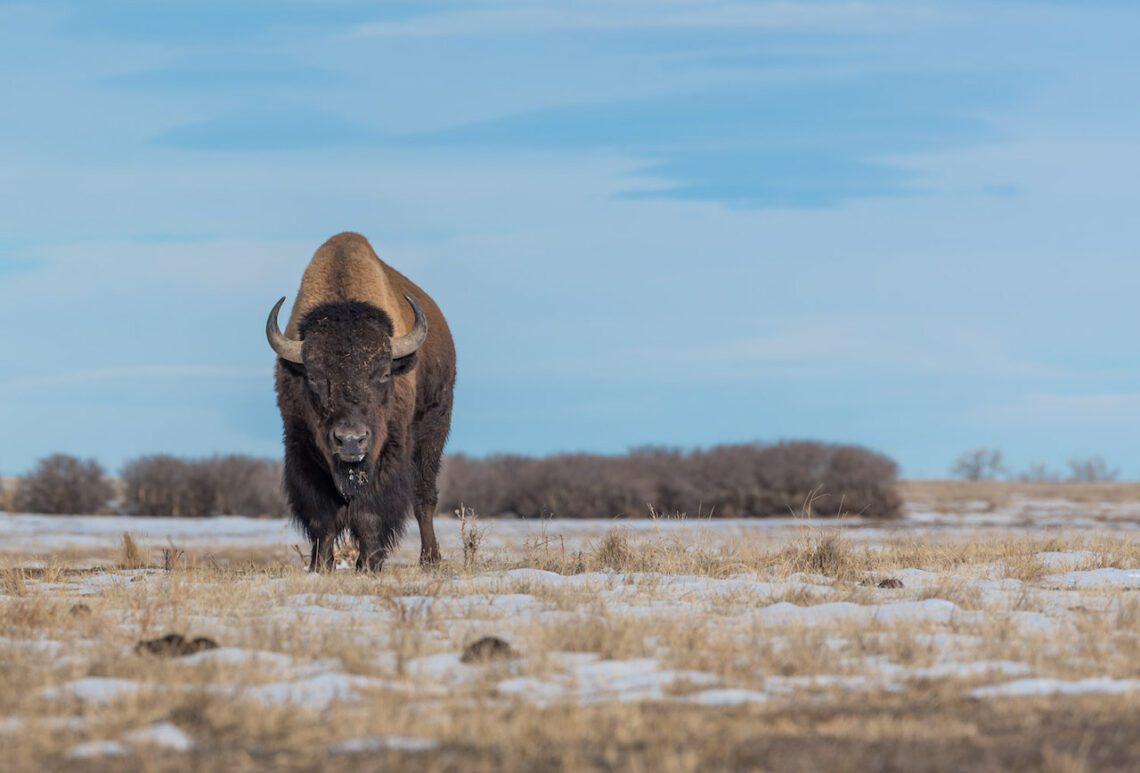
(365, 377)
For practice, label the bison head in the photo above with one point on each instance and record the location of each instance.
(347, 357)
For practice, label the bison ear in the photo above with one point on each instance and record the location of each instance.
(402, 365)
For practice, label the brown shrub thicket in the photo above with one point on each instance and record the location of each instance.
(63, 485)
(6, 496)
(219, 485)
(732, 481)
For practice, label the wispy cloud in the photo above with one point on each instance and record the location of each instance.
(144, 372)
(272, 131)
(751, 144)
(1088, 410)
(846, 345)
(520, 18)
(226, 76)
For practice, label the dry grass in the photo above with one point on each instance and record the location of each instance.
(625, 594)
(133, 556)
(950, 495)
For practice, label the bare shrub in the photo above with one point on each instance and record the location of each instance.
(731, 481)
(979, 464)
(64, 485)
(1091, 470)
(165, 485)
(245, 485)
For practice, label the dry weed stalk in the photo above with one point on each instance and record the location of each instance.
(171, 556)
(470, 535)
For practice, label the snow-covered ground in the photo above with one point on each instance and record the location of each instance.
(706, 615)
(88, 534)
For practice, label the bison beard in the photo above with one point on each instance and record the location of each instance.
(351, 478)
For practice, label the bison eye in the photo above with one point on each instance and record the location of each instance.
(319, 386)
(383, 375)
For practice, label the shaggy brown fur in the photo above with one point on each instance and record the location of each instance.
(349, 308)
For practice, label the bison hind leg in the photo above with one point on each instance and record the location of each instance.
(431, 436)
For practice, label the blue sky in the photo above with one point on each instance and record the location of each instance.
(910, 225)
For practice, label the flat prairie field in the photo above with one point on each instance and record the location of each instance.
(990, 629)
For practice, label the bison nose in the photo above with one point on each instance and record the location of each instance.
(351, 442)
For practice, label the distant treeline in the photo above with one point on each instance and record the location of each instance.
(728, 481)
(731, 481)
(151, 485)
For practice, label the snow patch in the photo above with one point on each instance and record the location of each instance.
(97, 690)
(275, 662)
(928, 610)
(375, 744)
(1045, 686)
(93, 749)
(1096, 578)
(726, 697)
(315, 693)
(164, 735)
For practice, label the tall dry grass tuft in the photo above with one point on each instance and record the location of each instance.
(12, 581)
(1020, 561)
(825, 552)
(614, 551)
(132, 556)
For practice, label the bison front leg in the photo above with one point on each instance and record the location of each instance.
(322, 554)
(323, 529)
(323, 532)
(370, 552)
(376, 533)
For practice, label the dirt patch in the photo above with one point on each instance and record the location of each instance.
(488, 649)
(175, 645)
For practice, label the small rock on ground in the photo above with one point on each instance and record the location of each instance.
(487, 649)
(175, 645)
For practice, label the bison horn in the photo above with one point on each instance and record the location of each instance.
(407, 344)
(286, 348)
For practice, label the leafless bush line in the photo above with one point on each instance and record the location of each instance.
(729, 481)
